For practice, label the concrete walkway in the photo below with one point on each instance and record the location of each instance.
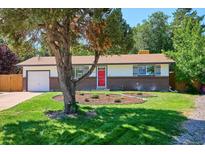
(10, 99)
(195, 126)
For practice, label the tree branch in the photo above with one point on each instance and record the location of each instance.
(95, 62)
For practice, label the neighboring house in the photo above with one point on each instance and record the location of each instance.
(125, 72)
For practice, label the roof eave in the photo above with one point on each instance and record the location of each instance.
(23, 65)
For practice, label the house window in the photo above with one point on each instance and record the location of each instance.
(80, 71)
(157, 70)
(143, 70)
(139, 70)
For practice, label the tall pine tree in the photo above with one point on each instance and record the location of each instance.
(189, 48)
(154, 34)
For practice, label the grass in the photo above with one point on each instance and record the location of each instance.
(154, 122)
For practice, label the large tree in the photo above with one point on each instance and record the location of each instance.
(60, 30)
(25, 49)
(123, 33)
(141, 36)
(189, 47)
(123, 36)
(153, 34)
(182, 13)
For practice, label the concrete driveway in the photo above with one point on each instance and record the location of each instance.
(10, 99)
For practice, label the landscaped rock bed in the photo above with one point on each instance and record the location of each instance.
(87, 98)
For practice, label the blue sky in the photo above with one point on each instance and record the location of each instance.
(137, 15)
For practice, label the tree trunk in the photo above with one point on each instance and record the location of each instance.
(59, 44)
(68, 84)
(68, 88)
(70, 105)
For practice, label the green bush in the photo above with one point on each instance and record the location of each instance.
(95, 97)
(117, 101)
(192, 90)
(87, 100)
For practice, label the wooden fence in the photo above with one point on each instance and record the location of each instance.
(11, 82)
(182, 86)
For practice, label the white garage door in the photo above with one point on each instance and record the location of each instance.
(38, 81)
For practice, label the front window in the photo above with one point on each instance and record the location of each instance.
(139, 70)
(80, 71)
(143, 70)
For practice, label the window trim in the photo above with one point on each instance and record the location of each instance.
(159, 69)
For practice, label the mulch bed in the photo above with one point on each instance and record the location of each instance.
(99, 99)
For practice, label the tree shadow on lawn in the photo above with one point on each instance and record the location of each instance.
(112, 125)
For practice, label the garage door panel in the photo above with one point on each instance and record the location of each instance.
(38, 80)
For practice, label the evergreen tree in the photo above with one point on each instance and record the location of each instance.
(154, 34)
(189, 51)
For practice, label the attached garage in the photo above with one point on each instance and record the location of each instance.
(38, 80)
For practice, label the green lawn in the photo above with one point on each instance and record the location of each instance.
(154, 122)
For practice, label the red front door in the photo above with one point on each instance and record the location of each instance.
(101, 77)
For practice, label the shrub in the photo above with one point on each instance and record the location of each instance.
(87, 100)
(8, 60)
(95, 96)
(117, 101)
(139, 93)
(192, 90)
(82, 94)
